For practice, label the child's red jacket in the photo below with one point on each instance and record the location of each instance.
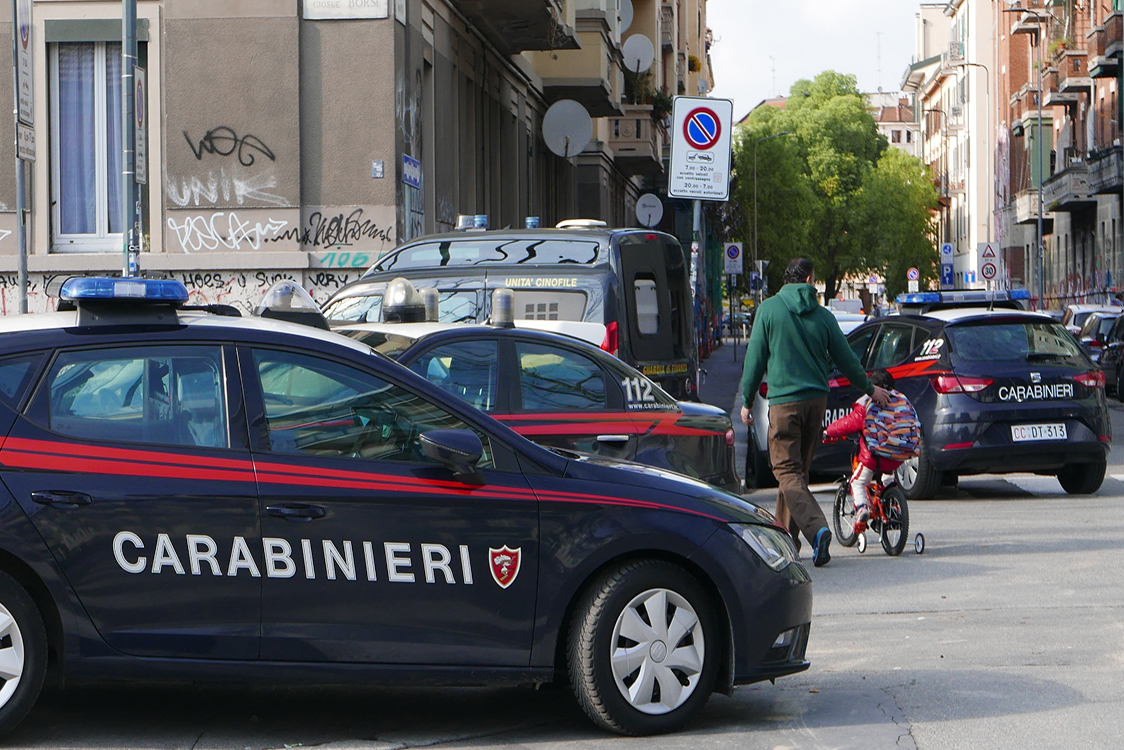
(855, 422)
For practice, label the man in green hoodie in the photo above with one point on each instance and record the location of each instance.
(794, 341)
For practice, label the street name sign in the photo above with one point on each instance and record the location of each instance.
(699, 167)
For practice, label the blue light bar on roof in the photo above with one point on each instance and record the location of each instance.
(1020, 294)
(108, 288)
(918, 298)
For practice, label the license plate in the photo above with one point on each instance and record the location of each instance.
(1026, 432)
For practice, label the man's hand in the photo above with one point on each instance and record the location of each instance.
(881, 396)
(747, 416)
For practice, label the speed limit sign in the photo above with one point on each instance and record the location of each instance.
(988, 271)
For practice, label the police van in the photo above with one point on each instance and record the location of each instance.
(633, 282)
(188, 494)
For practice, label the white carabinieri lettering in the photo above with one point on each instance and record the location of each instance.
(1038, 392)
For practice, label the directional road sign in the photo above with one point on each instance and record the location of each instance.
(947, 280)
(700, 148)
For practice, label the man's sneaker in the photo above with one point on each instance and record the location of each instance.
(820, 555)
(862, 514)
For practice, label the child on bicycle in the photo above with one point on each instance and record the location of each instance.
(869, 461)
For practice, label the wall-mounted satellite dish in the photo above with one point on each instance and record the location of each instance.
(649, 209)
(567, 128)
(639, 54)
(626, 15)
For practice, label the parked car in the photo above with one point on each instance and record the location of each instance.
(563, 392)
(188, 495)
(1095, 330)
(997, 391)
(1112, 357)
(1074, 315)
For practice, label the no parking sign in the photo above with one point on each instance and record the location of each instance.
(733, 258)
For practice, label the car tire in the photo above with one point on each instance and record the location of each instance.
(917, 477)
(23, 653)
(1082, 479)
(626, 600)
(758, 466)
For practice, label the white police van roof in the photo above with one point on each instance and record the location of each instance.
(957, 314)
(593, 333)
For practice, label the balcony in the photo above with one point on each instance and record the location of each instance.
(1073, 73)
(586, 75)
(1100, 65)
(1026, 210)
(634, 140)
(667, 27)
(1114, 34)
(514, 26)
(1068, 190)
(1104, 171)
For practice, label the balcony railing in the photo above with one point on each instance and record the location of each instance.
(1104, 171)
(517, 25)
(1068, 190)
(635, 141)
(1114, 34)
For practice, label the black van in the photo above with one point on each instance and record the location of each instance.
(634, 282)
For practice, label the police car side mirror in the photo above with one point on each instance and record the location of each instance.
(459, 450)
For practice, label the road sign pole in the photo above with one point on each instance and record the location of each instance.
(130, 229)
(21, 173)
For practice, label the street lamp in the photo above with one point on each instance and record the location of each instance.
(756, 294)
(988, 145)
(1038, 44)
(943, 175)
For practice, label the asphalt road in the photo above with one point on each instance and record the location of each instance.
(1007, 633)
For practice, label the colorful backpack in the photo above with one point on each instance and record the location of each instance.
(892, 431)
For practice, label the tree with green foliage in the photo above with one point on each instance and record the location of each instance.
(833, 191)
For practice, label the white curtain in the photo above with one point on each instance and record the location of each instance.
(82, 136)
(77, 140)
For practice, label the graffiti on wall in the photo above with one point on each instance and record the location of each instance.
(223, 230)
(320, 229)
(224, 187)
(224, 141)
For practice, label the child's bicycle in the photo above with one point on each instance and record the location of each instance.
(889, 516)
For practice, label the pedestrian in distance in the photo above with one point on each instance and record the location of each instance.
(887, 438)
(793, 341)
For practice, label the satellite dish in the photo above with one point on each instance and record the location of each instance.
(567, 128)
(639, 54)
(626, 15)
(649, 209)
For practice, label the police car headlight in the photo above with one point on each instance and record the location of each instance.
(772, 545)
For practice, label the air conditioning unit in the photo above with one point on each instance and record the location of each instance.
(956, 50)
(955, 110)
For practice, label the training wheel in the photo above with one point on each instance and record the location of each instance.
(919, 543)
(862, 543)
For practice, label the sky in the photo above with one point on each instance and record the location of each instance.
(800, 38)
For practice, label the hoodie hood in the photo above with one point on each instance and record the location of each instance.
(799, 298)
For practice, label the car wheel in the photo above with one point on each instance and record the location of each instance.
(643, 648)
(758, 466)
(917, 477)
(1082, 479)
(843, 516)
(23, 653)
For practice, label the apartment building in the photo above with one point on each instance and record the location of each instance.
(894, 115)
(952, 79)
(302, 139)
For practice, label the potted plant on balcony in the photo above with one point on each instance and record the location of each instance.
(661, 104)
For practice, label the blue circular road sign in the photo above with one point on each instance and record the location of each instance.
(702, 128)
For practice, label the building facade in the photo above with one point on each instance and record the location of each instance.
(292, 139)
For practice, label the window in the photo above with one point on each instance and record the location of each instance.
(466, 369)
(895, 136)
(165, 395)
(893, 345)
(322, 408)
(860, 341)
(86, 145)
(1015, 341)
(555, 379)
(14, 377)
(909, 136)
(647, 305)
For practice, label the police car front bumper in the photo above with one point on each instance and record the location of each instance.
(769, 612)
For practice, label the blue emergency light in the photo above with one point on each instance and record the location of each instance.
(112, 289)
(967, 295)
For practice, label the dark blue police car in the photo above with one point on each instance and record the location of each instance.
(188, 495)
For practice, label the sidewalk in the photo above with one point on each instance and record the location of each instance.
(720, 387)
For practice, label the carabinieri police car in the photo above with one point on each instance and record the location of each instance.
(191, 495)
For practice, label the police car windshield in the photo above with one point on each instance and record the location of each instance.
(1010, 341)
(452, 307)
(474, 251)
